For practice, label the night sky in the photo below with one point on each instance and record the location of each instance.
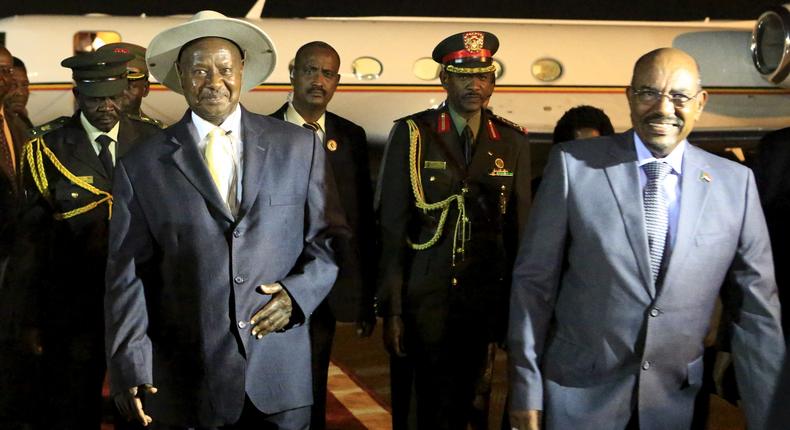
(558, 9)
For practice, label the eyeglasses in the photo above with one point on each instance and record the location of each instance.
(651, 96)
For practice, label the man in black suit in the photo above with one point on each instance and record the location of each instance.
(314, 78)
(773, 183)
(58, 265)
(453, 197)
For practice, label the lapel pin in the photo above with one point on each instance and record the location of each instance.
(331, 145)
(704, 176)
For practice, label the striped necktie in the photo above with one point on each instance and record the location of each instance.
(656, 214)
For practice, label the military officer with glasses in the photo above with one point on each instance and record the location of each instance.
(137, 75)
(453, 197)
(58, 265)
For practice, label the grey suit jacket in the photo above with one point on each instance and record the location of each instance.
(591, 337)
(182, 272)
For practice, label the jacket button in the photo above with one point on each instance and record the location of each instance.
(654, 312)
(238, 279)
(242, 324)
(237, 233)
(646, 365)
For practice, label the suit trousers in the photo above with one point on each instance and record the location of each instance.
(322, 332)
(253, 419)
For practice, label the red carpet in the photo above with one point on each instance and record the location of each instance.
(340, 418)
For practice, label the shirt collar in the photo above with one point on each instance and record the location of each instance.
(94, 132)
(460, 122)
(292, 116)
(232, 124)
(674, 159)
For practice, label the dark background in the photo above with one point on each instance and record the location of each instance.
(653, 10)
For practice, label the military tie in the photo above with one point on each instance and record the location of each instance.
(656, 213)
(468, 140)
(219, 157)
(6, 160)
(104, 154)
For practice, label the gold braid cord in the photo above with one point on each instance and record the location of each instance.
(35, 152)
(461, 230)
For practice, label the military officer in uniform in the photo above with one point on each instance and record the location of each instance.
(453, 195)
(59, 264)
(137, 75)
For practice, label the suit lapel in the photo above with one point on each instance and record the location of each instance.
(82, 148)
(256, 143)
(190, 162)
(623, 178)
(126, 137)
(693, 197)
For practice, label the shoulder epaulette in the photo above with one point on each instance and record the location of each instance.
(147, 120)
(508, 123)
(48, 127)
(413, 115)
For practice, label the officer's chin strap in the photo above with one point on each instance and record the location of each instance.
(34, 152)
(463, 228)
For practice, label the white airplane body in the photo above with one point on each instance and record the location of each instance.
(596, 59)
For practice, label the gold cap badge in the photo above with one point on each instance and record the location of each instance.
(473, 41)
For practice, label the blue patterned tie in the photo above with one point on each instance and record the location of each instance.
(656, 213)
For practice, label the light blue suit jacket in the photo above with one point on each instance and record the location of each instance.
(592, 338)
(182, 272)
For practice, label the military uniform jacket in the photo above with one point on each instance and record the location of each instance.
(496, 195)
(59, 264)
(351, 298)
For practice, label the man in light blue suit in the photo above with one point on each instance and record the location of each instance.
(630, 238)
(220, 246)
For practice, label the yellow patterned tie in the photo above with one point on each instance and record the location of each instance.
(219, 158)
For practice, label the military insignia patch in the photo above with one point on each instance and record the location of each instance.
(473, 41)
(499, 169)
(439, 165)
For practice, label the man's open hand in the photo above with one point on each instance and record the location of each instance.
(274, 315)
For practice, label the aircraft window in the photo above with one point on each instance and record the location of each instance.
(426, 69)
(89, 41)
(367, 68)
(769, 45)
(500, 69)
(546, 69)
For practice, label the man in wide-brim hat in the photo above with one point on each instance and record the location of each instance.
(220, 246)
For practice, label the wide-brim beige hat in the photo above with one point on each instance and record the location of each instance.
(259, 52)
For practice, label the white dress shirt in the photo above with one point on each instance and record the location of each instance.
(94, 132)
(292, 116)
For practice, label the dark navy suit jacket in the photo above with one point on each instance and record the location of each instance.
(182, 272)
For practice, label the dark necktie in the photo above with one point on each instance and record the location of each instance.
(312, 126)
(104, 154)
(467, 139)
(6, 160)
(656, 213)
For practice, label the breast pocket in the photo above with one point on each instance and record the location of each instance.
(285, 199)
(704, 239)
